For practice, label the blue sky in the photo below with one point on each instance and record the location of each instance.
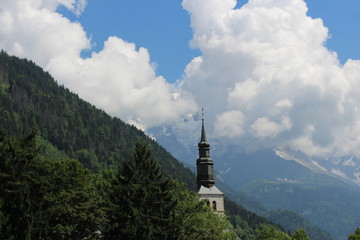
(343, 21)
(163, 27)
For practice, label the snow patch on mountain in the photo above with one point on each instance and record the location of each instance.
(340, 174)
(349, 162)
(357, 178)
(338, 167)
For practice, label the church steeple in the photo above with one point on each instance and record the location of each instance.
(205, 172)
(205, 175)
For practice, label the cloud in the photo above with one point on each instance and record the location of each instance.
(32, 29)
(268, 61)
(122, 80)
(230, 124)
(265, 74)
(119, 79)
(263, 127)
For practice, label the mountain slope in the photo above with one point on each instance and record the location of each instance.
(333, 208)
(32, 100)
(294, 221)
(238, 168)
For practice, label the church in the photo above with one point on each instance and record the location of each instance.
(206, 188)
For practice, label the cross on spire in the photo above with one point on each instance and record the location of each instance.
(202, 114)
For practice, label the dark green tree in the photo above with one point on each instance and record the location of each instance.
(145, 205)
(270, 233)
(355, 235)
(88, 158)
(300, 234)
(19, 184)
(195, 220)
(141, 201)
(74, 209)
(45, 199)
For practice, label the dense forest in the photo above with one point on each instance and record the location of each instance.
(32, 100)
(64, 173)
(48, 199)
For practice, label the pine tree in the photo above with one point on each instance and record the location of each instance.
(18, 186)
(45, 199)
(72, 207)
(142, 203)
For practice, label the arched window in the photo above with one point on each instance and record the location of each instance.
(214, 205)
(207, 202)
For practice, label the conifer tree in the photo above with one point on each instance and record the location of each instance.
(45, 199)
(72, 207)
(142, 203)
(18, 182)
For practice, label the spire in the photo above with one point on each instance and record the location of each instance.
(203, 134)
(205, 173)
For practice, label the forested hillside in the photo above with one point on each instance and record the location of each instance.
(336, 204)
(68, 127)
(32, 100)
(294, 221)
(42, 198)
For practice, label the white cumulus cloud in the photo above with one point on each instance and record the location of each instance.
(263, 127)
(268, 61)
(230, 124)
(119, 79)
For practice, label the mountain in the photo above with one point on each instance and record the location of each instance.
(32, 100)
(67, 126)
(333, 208)
(234, 163)
(275, 182)
(294, 221)
(289, 220)
(261, 176)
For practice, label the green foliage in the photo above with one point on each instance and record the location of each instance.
(142, 205)
(267, 232)
(244, 221)
(355, 235)
(300, 234)
(19, 184)
(75, 210)
(195, 220)
(45, 199)
(69, 127)
(292, 221)
(270, 233)
(145, 205)
(34, 101)
(48, 150)
(88, 158)
(336, 204)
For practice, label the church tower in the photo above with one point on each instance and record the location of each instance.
(205, 175)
